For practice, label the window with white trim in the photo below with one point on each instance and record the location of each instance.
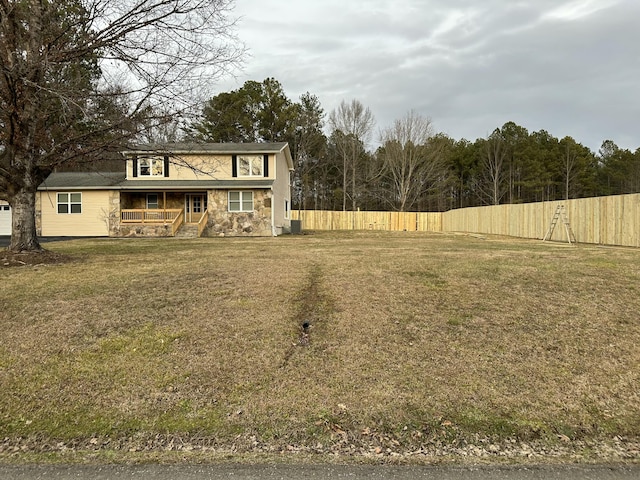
(151, 167)
(152, 201)
(287, 209)
(241, 201)
(250, 166)
(69, 202)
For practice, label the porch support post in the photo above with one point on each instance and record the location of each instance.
(164, 206)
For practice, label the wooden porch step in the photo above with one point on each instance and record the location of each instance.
(187, 230)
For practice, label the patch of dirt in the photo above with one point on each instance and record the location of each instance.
(313, 307)
(21, 259)
(367, 447)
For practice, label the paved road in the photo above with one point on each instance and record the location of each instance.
(314, 472)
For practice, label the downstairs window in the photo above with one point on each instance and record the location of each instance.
(69, 202)
(241, 201)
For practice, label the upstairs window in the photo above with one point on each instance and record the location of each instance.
(151, 166)
(250, 166)
(69, 202)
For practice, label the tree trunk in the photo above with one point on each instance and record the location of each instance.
(344, 183)
(23, 222)
(353, 189)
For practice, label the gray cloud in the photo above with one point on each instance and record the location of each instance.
(570, 67)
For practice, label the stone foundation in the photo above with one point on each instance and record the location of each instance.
(132, 230)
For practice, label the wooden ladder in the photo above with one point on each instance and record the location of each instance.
(560, 213)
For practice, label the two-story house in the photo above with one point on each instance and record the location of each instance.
(185, 189)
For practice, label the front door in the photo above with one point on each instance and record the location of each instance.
(194, 206)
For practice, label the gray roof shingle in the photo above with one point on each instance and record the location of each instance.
(88, 180)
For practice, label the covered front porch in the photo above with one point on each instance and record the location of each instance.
(163, 213)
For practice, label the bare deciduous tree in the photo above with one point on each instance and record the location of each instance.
(412, 161)
(62, 62)
(355, 123)
(493, 162)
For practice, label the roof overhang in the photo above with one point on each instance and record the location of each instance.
(177, 149)
(117, 181)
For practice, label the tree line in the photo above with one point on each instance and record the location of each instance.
(81, 79)
(414, 167)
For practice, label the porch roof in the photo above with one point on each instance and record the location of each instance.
(194, 184)
(117, 181)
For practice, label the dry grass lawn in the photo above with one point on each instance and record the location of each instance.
(411, 337)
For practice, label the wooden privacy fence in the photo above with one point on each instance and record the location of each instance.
(394, 221)
(613, 220)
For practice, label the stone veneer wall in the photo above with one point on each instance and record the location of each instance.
(113, 215)
(224, 223)
(147, 230)
(221, 221)
(39, 214)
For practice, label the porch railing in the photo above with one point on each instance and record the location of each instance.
(150, 215)
(203, 222)
(177, 222)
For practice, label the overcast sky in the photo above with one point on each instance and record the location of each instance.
(571, 67)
